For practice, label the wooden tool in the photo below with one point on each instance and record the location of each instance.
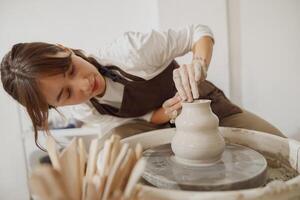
(116, 146)
(70, 170)
(73, 176)
(82, 162)
(47, 183)
(103, 168)
(134, 177)
(125, 170)
(91, 163)
(91, 190)
(53, 153)
(110, 179)
(138, 151)
(101, 188)
(38, 186)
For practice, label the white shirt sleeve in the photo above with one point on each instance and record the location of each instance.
(148, 54)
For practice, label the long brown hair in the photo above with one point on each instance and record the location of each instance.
(21, 67)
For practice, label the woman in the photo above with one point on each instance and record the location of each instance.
(134, 80)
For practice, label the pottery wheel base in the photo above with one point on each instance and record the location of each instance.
(239, 168)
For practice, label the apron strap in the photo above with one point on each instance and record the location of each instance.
(125, 74)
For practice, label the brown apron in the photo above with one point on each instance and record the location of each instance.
(142, 96)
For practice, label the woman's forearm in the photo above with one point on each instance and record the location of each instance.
(159, 117)
(203, 49)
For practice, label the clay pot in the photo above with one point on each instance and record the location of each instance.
(197, 140)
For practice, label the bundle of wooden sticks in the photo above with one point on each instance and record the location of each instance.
(76, 175)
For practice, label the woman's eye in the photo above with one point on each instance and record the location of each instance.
(69, 93)
(72, 72)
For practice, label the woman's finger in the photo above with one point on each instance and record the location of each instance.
(170, 102)
(176, 106)
(185, 82)
(197, 70)
(178, 84)
(193, 82)
(203, 73)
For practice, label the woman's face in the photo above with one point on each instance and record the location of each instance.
(81, 82)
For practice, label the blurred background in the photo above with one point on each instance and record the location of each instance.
(256, 59)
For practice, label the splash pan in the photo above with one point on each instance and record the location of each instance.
(282, 173)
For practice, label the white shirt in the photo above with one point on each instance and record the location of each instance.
(140, 54)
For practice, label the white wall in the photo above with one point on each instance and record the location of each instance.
(208, 12)
(13, 176)
(74, 23)
(269, 60)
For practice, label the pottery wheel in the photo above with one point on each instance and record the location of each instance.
(239, 168)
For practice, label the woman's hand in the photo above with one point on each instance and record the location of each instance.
(187, 78)
(172, 107)
(168, 112)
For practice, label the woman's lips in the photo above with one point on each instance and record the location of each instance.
(95, 84)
